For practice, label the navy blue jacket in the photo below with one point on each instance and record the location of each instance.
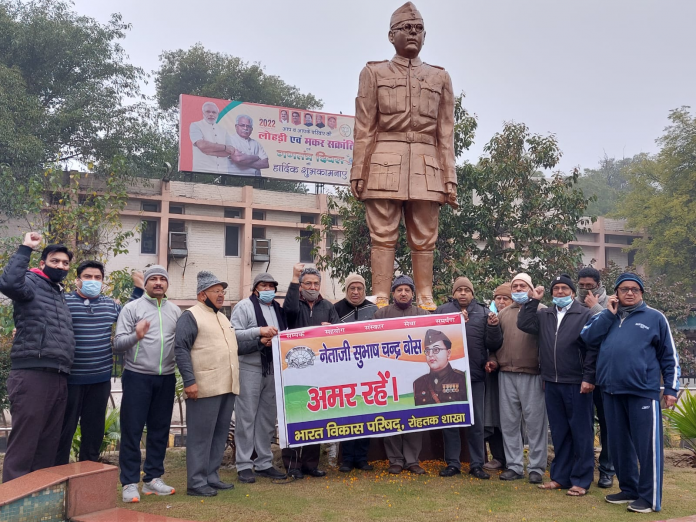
(634, 352)
(563, 355)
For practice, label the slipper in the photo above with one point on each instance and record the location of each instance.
(576, 491)
(551, 485)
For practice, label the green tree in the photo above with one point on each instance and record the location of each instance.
(607, 183)
(201, 72)
(69, 82)
(509, 217)
(662, 201)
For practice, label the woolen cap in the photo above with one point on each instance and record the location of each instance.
(462, 281)
(263, 277)
(503, 289)
(563, 279)
(354, 278)
(433, 336)
(522, 277)
(403, 280)
(629, 276)
(206, 280)
(155, 270)
(407, 12)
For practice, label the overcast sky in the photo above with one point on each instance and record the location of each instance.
(600, 74)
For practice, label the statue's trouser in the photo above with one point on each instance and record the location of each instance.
(383, 217)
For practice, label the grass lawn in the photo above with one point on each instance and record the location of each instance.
(380, 496)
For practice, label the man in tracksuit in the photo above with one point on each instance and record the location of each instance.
(568, 371)
(351, 309)
(635, 349)
(145, 332)
(483, 333)
(304, 306)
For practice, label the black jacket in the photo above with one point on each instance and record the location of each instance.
(347, 313)
(563, 355)
(480, 337)
(44, 336)
(299, 314)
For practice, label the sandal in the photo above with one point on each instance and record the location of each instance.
(551, 485)
(576, 491)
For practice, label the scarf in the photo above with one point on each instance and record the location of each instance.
(624, 311)
(267, 351)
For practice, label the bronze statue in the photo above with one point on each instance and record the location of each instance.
(403, 160)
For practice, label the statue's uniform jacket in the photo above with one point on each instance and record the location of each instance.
(404, 131)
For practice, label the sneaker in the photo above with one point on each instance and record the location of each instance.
(157, 487)
(640, 506)
(130, 493)
(271, 473)
(619, 498)
(246, 476)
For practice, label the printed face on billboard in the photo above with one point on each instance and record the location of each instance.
(248, 139)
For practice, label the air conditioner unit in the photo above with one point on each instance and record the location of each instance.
(261, 250)
(178, 244)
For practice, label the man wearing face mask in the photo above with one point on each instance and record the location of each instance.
(89, 386)
(256, 320)
(568, 372)
(304, 306)
(42, 354)
(206, 354)
(351, 309)
(593, 295)
(521, 392)
(403, 450)
(483, 334)
(145, 333)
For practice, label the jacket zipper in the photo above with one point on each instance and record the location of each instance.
(159, 311)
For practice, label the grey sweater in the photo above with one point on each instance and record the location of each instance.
(154, 354)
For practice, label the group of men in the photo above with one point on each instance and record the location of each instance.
(530, 366)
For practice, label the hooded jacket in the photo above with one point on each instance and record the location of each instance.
(480, 336)
(602, 300)
(44, 337)
(299, 314)
(634, 352)
(154, 353)
(563, 355)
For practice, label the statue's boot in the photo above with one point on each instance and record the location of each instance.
(382, 274)
(423, 278)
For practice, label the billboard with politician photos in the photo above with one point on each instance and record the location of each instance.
(249, 139)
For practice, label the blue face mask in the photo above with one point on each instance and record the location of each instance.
(493, 308)
(562, 302)
(266, 296)
(520, 297)
(91, 288)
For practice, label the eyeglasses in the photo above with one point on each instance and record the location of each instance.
(433, 351)
(218, 292)
(243, 126)
(633, 290)
(407, 28)
(311, 285)
(586, 287)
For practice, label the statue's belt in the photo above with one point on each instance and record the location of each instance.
(410, 137)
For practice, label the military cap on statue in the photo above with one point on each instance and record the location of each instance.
(405, 13)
